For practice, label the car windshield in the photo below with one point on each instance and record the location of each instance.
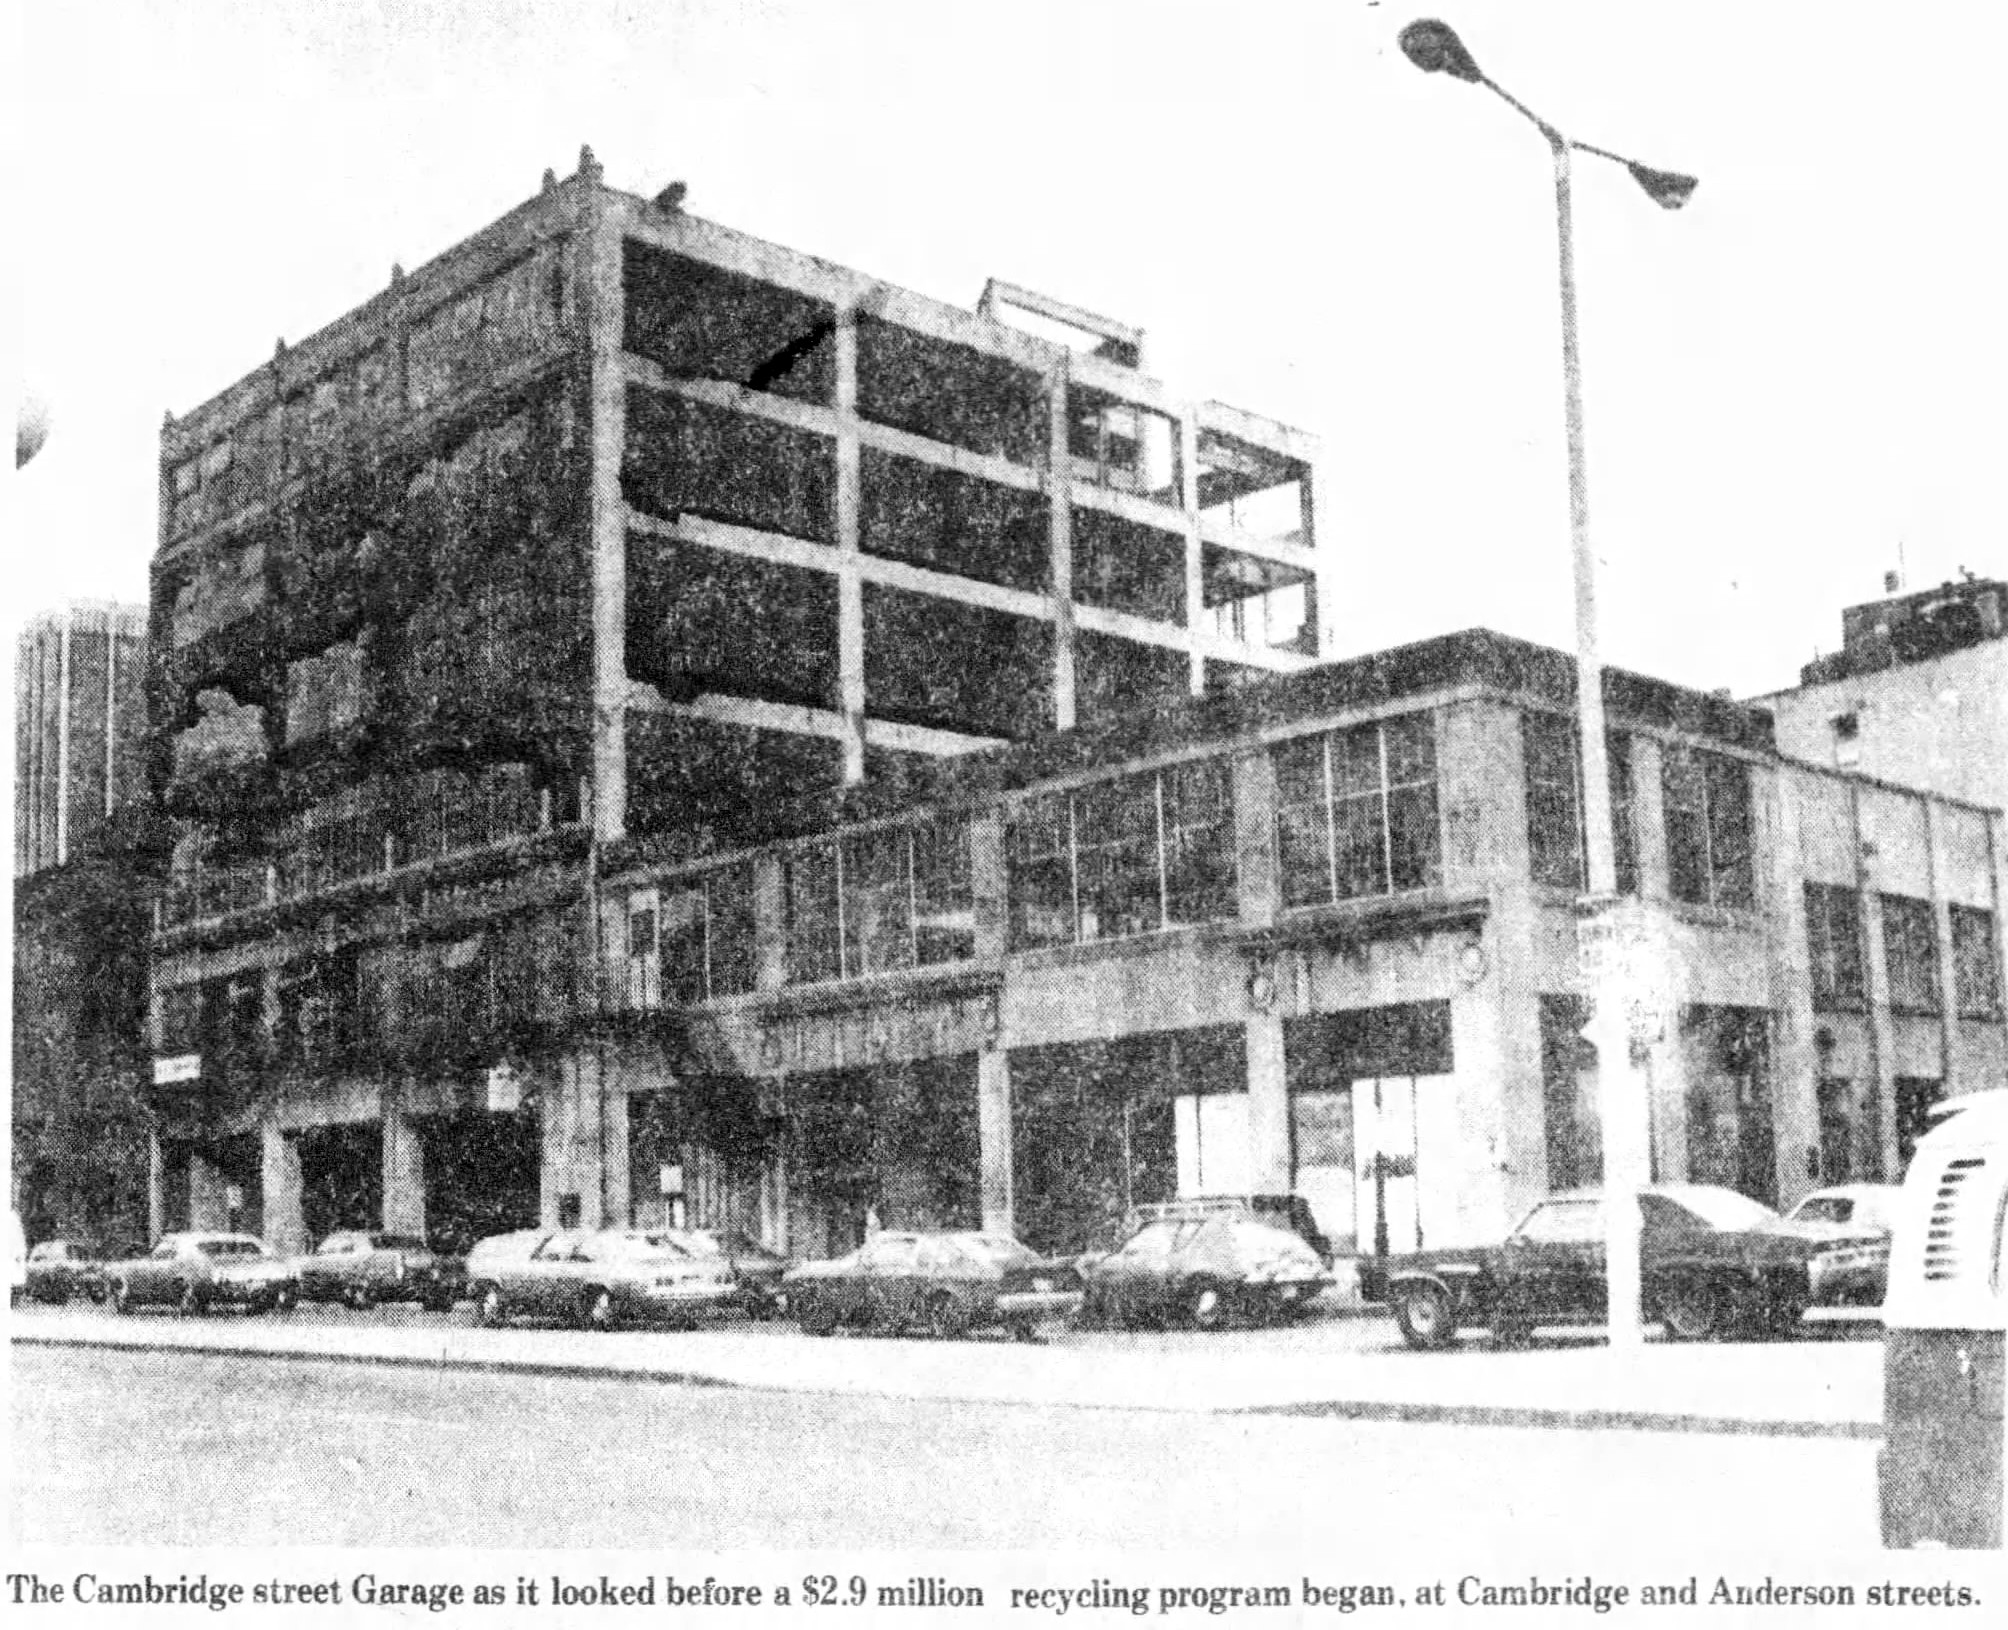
(1562, 1220)
(230, 1247)
(1824, 1208)
(642, 1247)
(1156, 1240)
(1000, 1250)
(1725, 1210)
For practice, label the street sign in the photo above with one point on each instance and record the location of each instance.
(1621, 958)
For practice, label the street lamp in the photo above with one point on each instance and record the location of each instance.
(1435, 48)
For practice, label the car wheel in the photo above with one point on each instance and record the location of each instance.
(489, 1299)
(599, 1309)
(357, 1297)
(285, 1299)
(122, 1301)
(946, 1317)
(190, 1300)
(817, 1315)
(1024, 1330)
(1426, 1317)
(1693, 1311)
(438, 1301)
(59, 1294)
(1206, 1304)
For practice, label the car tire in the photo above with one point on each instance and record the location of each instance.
(189, 1300)
(285, 1299)
(598, 1312)
(1206, 1304)
(437, 1301)
(816, 1315)
(492, 1309)
(357, 1298)
(1426, 1316)
(1692, 1310)
(122, 1301)
(946, 1317)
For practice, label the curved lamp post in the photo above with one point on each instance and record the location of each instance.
(1435, 48)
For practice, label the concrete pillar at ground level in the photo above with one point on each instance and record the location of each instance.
(403, 1176)
(156, 1188)
(575, 1117)
(284, 1225)
(208, 1194)
(1268, 1107)
(993, 1135)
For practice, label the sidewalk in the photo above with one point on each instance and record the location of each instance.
(1822, 1388)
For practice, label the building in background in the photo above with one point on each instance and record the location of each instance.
(604, 539)
(1917, 693)
(82, 915)
(79, 727)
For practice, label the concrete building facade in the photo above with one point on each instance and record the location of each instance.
(612, 532)
(79, 727)
(1917, 693)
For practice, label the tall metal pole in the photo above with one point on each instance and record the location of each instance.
(1626, 1131)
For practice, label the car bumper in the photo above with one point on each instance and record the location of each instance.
(680, 1298)
(1038, 1304)
(260, 1293)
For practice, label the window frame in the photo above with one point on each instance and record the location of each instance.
(1976, 963)
(1828, 947)
(1348, 806)
(1910, 954)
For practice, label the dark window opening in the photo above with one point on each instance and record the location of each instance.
(1124, 565)
(1252, 489)
(1834, 945)
(689, 458)
(1114, 676)
(951, 393)
(1251, 600)
(933, 662)
(705, 620)
(1357, 812)
(950, 522)
(1976, 963)
(703, 322)
(1910, 954)
(1709, 840)
(1556, 841)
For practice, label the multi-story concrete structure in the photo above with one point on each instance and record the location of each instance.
(79, 727)
(605, 536)
(1917, 693)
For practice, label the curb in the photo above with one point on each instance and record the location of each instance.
(1353, 1409)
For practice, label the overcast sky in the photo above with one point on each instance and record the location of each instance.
(1787, 383)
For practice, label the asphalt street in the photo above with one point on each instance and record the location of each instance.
(149, 1447)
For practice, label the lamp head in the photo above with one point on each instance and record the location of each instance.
(1435, 48)
(1665, 188)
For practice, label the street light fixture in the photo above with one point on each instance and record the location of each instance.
(1434, 47)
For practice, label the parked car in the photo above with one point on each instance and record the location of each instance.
(361, 1267)
(61, 1269)
(1204, 1271)
(757, 1272)
(595, 1278)
(197, 1271)
(1858, 1217)
(945, 1284)
(17, 1258)
(1291, 1211)
(1713, 1262)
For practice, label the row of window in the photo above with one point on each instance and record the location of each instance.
(1834, 940)
(1710, 845)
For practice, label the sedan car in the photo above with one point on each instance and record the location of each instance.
(1856, 1216)
(1204, 1271)
(595, 1278)
(360, 1267)
(196, 1271)
(1713, 1262)
(60, 1269)
(944, 1284)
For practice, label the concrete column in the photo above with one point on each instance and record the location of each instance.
(156, 1188)
(1941, 920)
(770, 924)
(403, 1174)
(208, 1197)
(1649, 818)
(1260, 889)
(1195, 550)
(1269, 1170)
(1060, 534)
(987, 883)
(993, 1134)
(284, 1226)
(1795, 1063)
(602, 300)
(1875, 970)
(850, 586)
(616, 1184)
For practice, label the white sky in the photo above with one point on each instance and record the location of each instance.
(1785, 381)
